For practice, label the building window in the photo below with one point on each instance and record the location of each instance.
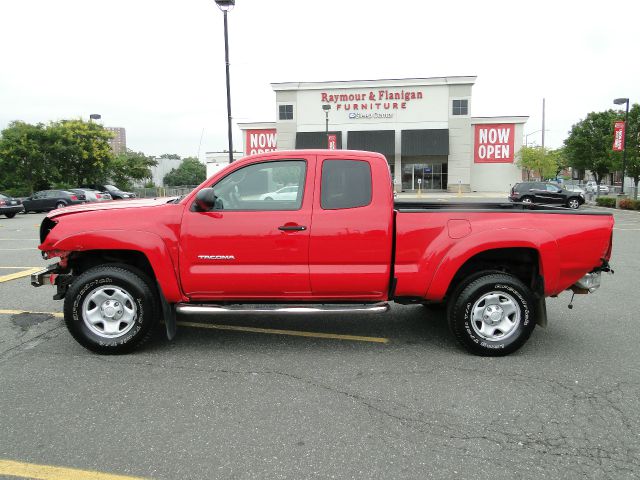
(460, 107)
(285, 112)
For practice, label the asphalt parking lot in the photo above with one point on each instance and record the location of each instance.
(371, 397)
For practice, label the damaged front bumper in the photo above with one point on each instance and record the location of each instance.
(53, 275)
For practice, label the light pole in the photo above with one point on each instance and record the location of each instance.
(225, 6)
(526, 137)
(326, 107)
(620, 101)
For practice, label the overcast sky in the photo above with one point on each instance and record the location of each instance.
(156, 67)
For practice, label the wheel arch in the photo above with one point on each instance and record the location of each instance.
(531, 255)
(145, 251)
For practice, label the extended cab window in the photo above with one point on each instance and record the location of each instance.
(345, 184)
(263, 186)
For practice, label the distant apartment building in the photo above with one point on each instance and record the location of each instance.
(118, 143)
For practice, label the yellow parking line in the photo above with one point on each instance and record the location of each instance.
(294, 333)
(16, 268)
(24, 273)
(47, 472)
(270, 331)
(18, 312)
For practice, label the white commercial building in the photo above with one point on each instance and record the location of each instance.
(422, 126)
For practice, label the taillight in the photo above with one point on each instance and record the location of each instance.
(73, 197)
(2, 202)
(98, 195)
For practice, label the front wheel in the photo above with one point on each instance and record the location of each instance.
(573, 203)
(9, 215)
(492, 315)
(61, 205)
(110, 309)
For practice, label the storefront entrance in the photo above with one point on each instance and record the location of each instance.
(427, 176)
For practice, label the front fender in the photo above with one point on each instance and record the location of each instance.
(466, 248)
(150, 244)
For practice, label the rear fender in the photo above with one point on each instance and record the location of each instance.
(474, 244)
(150, 244)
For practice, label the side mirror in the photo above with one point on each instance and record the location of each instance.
(205, 200)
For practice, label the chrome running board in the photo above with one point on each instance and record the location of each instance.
(285, 309)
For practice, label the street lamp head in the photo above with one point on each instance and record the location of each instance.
(225, 5)
(620, 101)
(326, 107)
(95, 116)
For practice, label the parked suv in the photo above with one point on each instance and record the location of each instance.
(545, 193)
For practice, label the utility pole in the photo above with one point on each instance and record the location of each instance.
(543, 113)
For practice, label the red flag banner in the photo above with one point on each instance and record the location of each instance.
(332, 142)
(618, 137)
(494, 143)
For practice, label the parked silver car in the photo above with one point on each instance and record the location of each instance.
(93, 195)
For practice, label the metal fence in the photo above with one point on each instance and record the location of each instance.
(163, 191)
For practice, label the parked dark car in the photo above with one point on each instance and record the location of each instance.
(546, 194)
(112, 190)
(49, 199)
(9, 206)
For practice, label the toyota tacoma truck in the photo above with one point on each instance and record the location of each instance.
(333, 241)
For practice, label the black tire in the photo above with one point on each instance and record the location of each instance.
(9, 215)
(61, 205)
(476, 297)
(268, 198)
(139, 296)
(573, 203)
(526, 199)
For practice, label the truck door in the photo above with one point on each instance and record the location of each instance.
(252, 244)
(352, 231)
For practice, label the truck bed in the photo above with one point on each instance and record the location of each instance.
(504, 207)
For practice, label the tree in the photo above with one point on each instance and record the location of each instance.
(130, 166)
(170, 156)
(543, 162)
(80, 150)
(25, 163)
(589, 144)
(190, 172)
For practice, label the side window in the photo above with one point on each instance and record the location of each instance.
(552, 188)
(263, 186)
(345, 184)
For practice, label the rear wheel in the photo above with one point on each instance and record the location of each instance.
(111, 309)
(492, 315)
(574, 203)
(526, 200)
(9, 215)
(61, 205)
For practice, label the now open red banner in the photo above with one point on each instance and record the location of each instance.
(494, 143)
(261, 141)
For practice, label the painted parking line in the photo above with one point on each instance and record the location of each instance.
(48, 472)
(19, 312)
(293, 333)
(16, 249)
(23, 273)
(237, 328)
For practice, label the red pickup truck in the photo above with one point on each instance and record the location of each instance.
(315, 231)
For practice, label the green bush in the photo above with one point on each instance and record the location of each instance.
(606, 202)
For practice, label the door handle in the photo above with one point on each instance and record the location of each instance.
(291, 228)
